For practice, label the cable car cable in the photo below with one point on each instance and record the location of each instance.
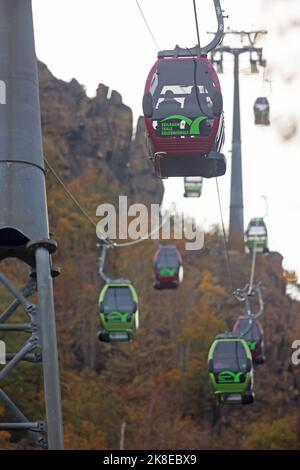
(197, 25)
(195, 73)
(244, 295)
(143, 238)
(228, 263)
(73, 198)
(106, 240)
(147, 25)
(68, 192)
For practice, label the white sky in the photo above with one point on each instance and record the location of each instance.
(106, 41)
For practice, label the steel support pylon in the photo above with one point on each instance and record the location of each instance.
(236, 223)
(24, 232)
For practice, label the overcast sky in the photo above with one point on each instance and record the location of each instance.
(106, 41)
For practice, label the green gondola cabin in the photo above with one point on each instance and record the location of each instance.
(119, 315)
(256, 236)
(231, 370)
(193, 186)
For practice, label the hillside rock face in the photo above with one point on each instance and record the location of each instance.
(80, 131)
(140, 166)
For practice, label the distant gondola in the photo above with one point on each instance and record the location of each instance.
(262, 111)
(193, 186)
(168, 268)
(257, 236)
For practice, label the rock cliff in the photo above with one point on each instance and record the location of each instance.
(80, 131)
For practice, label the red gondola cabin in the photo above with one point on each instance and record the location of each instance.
(183, 111)
(168, 268)
(254, 336)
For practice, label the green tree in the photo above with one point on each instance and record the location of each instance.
(275, 435)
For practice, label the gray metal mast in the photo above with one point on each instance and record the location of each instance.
(24, 232)
(236, 222)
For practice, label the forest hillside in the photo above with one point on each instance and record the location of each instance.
(157, 385)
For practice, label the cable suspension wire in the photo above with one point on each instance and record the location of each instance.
(106, 240)
(74, 200)
(228, 263)
(144, 237)
(147, 25)
(68, 192)
(105, 247)
(197, 25)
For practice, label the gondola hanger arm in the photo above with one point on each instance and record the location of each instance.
(102, 259)
(242, 293)
(220, 31)
(261, 303)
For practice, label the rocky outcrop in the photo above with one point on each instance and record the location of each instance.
(140, 167)
(80, 131)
